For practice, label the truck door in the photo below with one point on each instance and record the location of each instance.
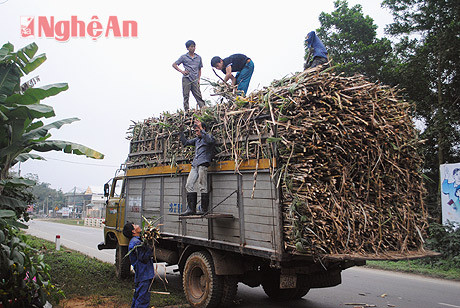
(116, 205)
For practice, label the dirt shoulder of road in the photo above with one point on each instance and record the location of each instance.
(89, 282)
(101, 302)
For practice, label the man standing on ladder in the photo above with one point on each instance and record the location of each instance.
(204, 150)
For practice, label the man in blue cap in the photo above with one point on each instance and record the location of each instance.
(317, 50)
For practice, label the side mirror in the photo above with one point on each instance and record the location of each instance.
(106, 190)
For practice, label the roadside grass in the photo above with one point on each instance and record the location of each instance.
(67, 221)
(437, 269)
(79, 275)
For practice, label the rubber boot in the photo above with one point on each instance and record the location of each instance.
(204, 204)
(191, 204)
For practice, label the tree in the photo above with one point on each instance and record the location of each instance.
(45, 195)
(24, 278)
(21, 129)
(350, 38)
(429, 48)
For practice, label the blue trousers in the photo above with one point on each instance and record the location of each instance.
(141, 298)
(244, 77)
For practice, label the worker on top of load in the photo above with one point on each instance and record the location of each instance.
(204, 150)
(235, 63)
(191, 74)
(317, 51)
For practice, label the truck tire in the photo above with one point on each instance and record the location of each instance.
(271, 286)
(122, 265)
(272, 289)
(300, 292)
(325, 279)
(202, 287)
(229, 290)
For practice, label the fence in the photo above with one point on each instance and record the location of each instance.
(94, 222)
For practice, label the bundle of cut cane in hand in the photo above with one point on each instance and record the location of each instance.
(150, 233)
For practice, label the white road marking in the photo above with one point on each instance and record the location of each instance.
(449, 305)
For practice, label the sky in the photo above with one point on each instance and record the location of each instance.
(115, 81)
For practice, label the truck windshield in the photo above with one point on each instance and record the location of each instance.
(119, 187)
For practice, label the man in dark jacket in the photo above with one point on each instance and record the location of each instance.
(204, 150)
(235, 63)
(317, 50)
(141, 259)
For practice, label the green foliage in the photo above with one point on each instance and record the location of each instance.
(350, 38)
(428, 49)
(21, 131)
(45, 196)
(80, 275)
(425, 63)
(445, 239)
(17, 192)
(24, 277)
(418, 266)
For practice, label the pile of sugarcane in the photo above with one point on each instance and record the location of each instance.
(346, 155)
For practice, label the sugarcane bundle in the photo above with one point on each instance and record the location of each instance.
(346, 153)
(150, 232)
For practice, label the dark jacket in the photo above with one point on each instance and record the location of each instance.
(141, 260)
(318, 48)
(204, 148)
(237, 61)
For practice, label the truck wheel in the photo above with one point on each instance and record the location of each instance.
(271, 286)
(122, 265)
(202, 287)
(229, 290)
(272, 289)
(300, 292)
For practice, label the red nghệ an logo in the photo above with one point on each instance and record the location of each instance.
(63, 30)
(27, 26)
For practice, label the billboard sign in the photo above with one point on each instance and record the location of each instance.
(65, 211)
(450, 192)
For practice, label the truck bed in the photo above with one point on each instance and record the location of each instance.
(251, 222)
(245, 216)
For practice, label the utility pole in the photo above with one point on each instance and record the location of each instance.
(74, 206)
(47, 200)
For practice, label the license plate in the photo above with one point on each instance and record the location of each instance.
(288, 281)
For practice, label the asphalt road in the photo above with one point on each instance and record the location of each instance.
(361, 287)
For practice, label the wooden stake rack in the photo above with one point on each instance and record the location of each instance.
(208, 216)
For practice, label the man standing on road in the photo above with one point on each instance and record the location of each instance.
(140, 257)
(191, 74)
(235, 63)
(204, 150)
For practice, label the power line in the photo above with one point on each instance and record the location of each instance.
(77, 163)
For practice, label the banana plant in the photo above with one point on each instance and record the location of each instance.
(22, 130)
(24, 279)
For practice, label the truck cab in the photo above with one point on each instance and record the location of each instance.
(114, 222)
